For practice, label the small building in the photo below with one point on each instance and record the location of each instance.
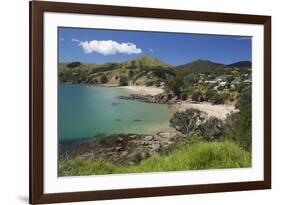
(211, 81)
(221, 84)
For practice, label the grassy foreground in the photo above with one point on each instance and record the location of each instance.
(199, 156)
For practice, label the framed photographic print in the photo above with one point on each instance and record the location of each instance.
(139, 102)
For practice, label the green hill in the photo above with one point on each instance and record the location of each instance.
(240, 65)
(198, 66)
(145, 70)
(144, 62)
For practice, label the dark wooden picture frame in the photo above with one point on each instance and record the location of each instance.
(37, 9)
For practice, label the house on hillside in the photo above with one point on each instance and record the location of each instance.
(211, 81)
(248, 81)
(222, 84)
(221, 79)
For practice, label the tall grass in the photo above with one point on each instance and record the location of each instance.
(199, 156)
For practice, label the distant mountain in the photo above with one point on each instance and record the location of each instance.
(240, 64)
(198, 66)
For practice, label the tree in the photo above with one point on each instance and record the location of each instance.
(103, 79)
(210, 94)
(73, 64)
(238, 126)
(133, 65)
(230, 78)
(188, 120)
(123, 81)
(175, 85)
(218, 98)
(195, 96)
(245, 98)
(212, 129)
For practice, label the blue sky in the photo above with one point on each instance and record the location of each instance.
(101, 46)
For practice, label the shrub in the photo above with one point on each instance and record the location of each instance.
(149, 83)
(188, 120)
(175, 85)
(138, 157)
(103, 79)
(210, 94)
(218, 99)
(245, 98)
(73, 64)
(123, 81)
(183, 96)
(238, 126)
(195, 96)
(212, 129)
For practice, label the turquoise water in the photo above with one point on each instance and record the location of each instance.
(86, 111)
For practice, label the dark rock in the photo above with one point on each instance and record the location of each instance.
(133, 136)
(115, 103)
(148, 138)
(144, 143)
(120, 139)
(162, 98)
(124, 153)
(118, 149)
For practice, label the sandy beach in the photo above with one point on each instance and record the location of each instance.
(219, 111)
(143, 90)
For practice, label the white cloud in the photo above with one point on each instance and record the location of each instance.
(75, 40)
(151, 50)
(109, 47)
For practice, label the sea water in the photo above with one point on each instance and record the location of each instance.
(86, 111)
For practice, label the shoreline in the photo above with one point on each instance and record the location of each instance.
(121, 149)
(219, 111)
(143, 90)
(136, 89)
(126, 148)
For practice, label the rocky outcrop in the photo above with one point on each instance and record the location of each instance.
(162, 98)
(122, 149)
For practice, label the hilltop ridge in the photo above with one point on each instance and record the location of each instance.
(144, 70)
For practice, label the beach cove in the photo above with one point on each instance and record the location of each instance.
(86, 111)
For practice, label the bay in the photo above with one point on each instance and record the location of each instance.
(86, 111)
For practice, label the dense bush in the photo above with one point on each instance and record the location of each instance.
(218, 99)
(210, 94)
(245, 98)
(123, 81)
(73, 64)
(103, 79)
(149, 83)
(196, 96)
(188, 120)
(238, 126)
(175, 85)
(211, 130)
